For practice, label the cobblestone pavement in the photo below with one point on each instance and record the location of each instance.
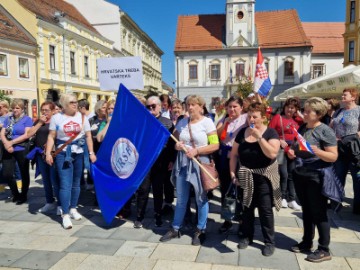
(31, 240)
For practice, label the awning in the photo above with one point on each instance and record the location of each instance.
(329, 85)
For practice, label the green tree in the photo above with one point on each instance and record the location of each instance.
(245, 88)
(4, 97)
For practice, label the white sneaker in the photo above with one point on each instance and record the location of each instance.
(59, 211)
(66, 222)
(47, 207)
(74, 214)
(284, 203)
(293, 205)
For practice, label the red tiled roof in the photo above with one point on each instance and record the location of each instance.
(199, 32)
(205, 32)
(47, 8)
(10, 31)
(279, 29)
(326, 37)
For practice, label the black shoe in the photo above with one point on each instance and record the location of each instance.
(244, 243)
(167, 210)
(15, 199)
(319, 256)
(225, 227)
(301, 248)
(268, 250)
(138, 224)
(22, 199)
(198, 238)
(158, 221)
(170, 235)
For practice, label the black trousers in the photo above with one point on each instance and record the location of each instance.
(9, 163)
(263, 200)
(308, 186)
(156, 180)
(286, 179)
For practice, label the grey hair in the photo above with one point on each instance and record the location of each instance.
(154, 98)
(98, 105)
(65, 99)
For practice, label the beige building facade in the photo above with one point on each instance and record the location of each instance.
(352, 33)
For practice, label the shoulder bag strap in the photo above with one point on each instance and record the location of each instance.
(191, 137)
(282, 127)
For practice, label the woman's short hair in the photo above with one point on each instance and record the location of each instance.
(257, 107)
(109, 103)
(334, 103)
(236, 99)
(294, 101)
(154, 98)
(318, 105)
(65, 99)
(48, 103)
(17, 102)
(99, 105)
(4, 103)
(353, 92)
(196, 99)
(165, 97)
(176, 101)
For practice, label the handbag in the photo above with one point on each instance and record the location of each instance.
(208, 184)
(231, 200)
(281, 154)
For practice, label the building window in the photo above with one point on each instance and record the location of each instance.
(351, 51)
(289, 68)
(72, 63)
(193, 72)
(317, 70)
(240, 70)
(23, 68)
(215, 72)
(52, 57)
(352, 11)
(3, 65)
(267, 67)
(86, 66)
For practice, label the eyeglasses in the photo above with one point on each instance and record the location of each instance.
(73, 102)
(152, 106)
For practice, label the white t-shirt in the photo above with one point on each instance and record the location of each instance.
(199, 131)
(67, 126)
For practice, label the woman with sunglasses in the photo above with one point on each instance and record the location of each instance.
(40, 131)
(69, 162)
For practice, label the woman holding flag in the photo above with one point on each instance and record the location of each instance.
(315, 150)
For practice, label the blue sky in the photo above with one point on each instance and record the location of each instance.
(158, 18)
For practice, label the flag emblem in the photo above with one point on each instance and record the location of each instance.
(124, 158)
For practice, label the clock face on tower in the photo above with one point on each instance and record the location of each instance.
(240, 15)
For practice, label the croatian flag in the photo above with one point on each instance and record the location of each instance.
(131, 145)
(262, 84)
(303, 144)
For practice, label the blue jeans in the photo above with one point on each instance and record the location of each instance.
(69, 179)
(50, 180)
(342, 166)
(183, 192)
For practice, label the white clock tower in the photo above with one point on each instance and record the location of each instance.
(240, 23)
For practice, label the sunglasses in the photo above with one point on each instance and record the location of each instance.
(73, 102)
(152, 106)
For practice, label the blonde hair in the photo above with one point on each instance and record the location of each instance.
(318, 105)
(195, 98)
(99, 105)
(4, 103)
(17, 102)
(65, 99)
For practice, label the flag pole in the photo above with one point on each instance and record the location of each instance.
(195, 160)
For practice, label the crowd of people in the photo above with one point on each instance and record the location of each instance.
(262, 155)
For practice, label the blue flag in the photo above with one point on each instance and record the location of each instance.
(131, 145)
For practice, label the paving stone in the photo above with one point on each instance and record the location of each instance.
(100, 222)
(185, 239)
(20, 227)
(286, 222)
(345, 249)
(56, 229)
(94, 246)
(175, 252)
(353, 262)
(180, 265)
(50, 243)
(336, 263)
(16, 241)
(104, 262)
(9, 256)
(141, 263)
(26, 216)
(9, 268)
(93, 232)
(344, 236)
(6, 215)
(231, 267)
(70, 261)
(39, 259)
(279, 260)
(136, 249)
(131, 234)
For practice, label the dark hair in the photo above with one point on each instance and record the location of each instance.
(236, 99)
(57, 104)
(334, 103)
(165, 97)
(294, 101)
(48, 103)
(257, 107)
(83, 103)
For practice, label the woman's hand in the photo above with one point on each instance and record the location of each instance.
(42, 119)
(49, 160)
(291, 154)
(93, 158)
(180, 146)
(192, 152)
(10, 149)
(283, 144)
(255, 133)
(8, 144)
